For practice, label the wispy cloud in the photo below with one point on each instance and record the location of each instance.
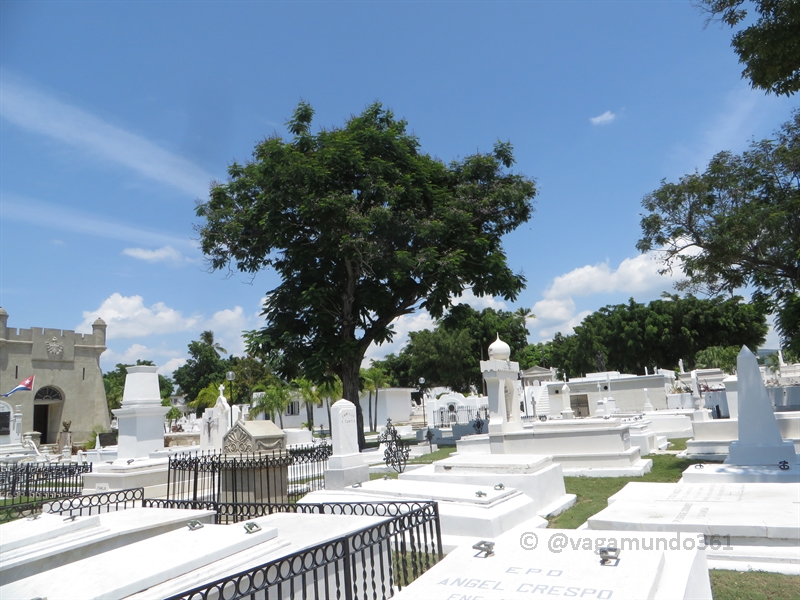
(129, 317)
(46, 214)
(42, 114)
(604, 119)
(742, 115)
(164, 254)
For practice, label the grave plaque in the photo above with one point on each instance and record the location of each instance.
(5, 422)
(108, 439)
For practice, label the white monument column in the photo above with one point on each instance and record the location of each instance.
(346, 465)
(141, 418)
(566, 412)
(760, 441)
(500, 375)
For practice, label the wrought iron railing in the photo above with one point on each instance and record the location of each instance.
(94, 504)
(273, 477)
(24, 486)
(460, 415)
(370, 563)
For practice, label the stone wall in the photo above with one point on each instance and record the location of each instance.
(66, 362)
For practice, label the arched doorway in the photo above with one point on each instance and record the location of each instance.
(44, 399)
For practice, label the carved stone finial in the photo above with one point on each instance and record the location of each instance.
(499, 350)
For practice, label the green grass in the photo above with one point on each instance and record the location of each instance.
(738, 585)
(427, 459)
(678, 444)
(593, 492)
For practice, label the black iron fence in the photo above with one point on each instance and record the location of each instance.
(24, 486)
(95, 504)
(274, 477)
(447, 416)
(372, 562)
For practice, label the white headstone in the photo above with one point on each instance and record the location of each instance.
(760, 441)
(343, 428)
(346, 467)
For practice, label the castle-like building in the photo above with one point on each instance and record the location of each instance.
(68, 383)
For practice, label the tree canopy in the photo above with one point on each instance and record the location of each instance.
(737, 224)
(203, 368)
(628, 337)
(362, 228)
(450, 354)
(769, 47)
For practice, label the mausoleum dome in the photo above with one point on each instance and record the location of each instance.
(499, 350)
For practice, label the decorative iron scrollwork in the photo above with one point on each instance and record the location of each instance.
(396, 452)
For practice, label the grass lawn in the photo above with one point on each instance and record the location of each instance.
(737, 585)
(678, 444)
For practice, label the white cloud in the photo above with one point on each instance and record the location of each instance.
(637, 275)
(633, 275)
(163, 254)
(37, 112)
(110, 358)
(169, 367)
(128, 317)
(478, 302)
(402, 325)
(227, 326)
(604, 119)
(46, 214)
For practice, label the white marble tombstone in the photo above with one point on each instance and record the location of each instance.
(648, 406)
(346, 466)
(760, 441)
(141, 417)
(217, 421)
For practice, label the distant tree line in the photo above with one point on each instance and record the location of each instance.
(624, 337)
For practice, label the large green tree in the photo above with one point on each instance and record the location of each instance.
(362, 228)
(737, 224)
(768, 46)
(629, 337)
(204, 367)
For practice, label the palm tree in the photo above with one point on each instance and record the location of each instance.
(331, 391)
(207, 337)
(311, 397)
(276, 398)
(374, 379)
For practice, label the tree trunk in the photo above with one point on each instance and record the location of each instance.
(370, 411)
(375, 425)
(328, 407)
(310, 416)
(350, 391)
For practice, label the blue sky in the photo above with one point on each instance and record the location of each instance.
(115, 116)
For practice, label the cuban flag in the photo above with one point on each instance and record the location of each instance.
(26, 385)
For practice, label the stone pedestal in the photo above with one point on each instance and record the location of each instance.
(217, 422)
(346, 465)
(141, 417)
